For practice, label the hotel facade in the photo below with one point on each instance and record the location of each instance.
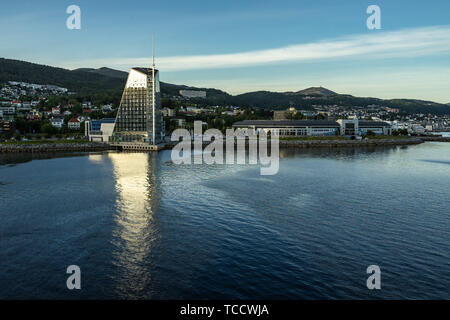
(139, 118)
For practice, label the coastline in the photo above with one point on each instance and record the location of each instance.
(348, 143)
(93, 146)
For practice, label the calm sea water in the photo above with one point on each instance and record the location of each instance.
(141, 227)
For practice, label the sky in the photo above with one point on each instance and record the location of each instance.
(242, 46)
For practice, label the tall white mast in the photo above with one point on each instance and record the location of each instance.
(153, 88)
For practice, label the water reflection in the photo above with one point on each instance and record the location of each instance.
(137, 230)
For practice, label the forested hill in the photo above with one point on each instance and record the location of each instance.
(76, 80)
(83, 80)
(106, 81)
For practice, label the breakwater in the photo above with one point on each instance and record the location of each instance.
(53, 147)
(348, 143)
(335, 143)
(435, 138)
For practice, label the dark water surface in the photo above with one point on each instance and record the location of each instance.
(141, 227)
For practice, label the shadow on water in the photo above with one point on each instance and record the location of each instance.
(435, 161)
(343, 154)
(12, 159)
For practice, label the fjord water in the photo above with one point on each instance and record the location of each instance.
(141, 227)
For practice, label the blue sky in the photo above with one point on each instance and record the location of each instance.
(241, 46)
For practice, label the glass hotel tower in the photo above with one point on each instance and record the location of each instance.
(139, 118)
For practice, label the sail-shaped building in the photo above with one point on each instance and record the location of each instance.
(139, 117)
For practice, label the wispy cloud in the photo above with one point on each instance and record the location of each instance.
(401, 43)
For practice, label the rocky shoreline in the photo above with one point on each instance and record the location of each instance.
(348, 143)
(53, 147)
(92, 146)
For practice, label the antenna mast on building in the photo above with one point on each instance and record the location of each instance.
(153, 89)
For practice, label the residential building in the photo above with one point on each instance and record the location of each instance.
(74, 124)
(57, 122)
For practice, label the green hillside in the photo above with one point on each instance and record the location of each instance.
(105, 81)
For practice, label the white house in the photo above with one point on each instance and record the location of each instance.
(74, 124)
(57, 122)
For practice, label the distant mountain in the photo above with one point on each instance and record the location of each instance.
(110, 83)
(319, 91)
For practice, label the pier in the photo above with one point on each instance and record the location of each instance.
(137, 147)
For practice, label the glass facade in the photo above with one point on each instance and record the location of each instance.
(134, 121)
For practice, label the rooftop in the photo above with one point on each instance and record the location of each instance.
(363, 123)
(144, 70)
(286, 123)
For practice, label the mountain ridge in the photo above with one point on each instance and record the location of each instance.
(91, 80)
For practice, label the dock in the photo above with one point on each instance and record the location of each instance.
(137, 146)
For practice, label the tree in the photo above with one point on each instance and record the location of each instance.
(370, 133)
(48, 129)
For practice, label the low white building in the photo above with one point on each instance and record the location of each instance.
(286, 128)
(356, 127)
(417, 129)
(99, 130)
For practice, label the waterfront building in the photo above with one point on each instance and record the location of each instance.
(377, 127)
(417, 129)
(355, 127)
(99, 130)
(287, 128)
(139, 118)
(349, 127)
